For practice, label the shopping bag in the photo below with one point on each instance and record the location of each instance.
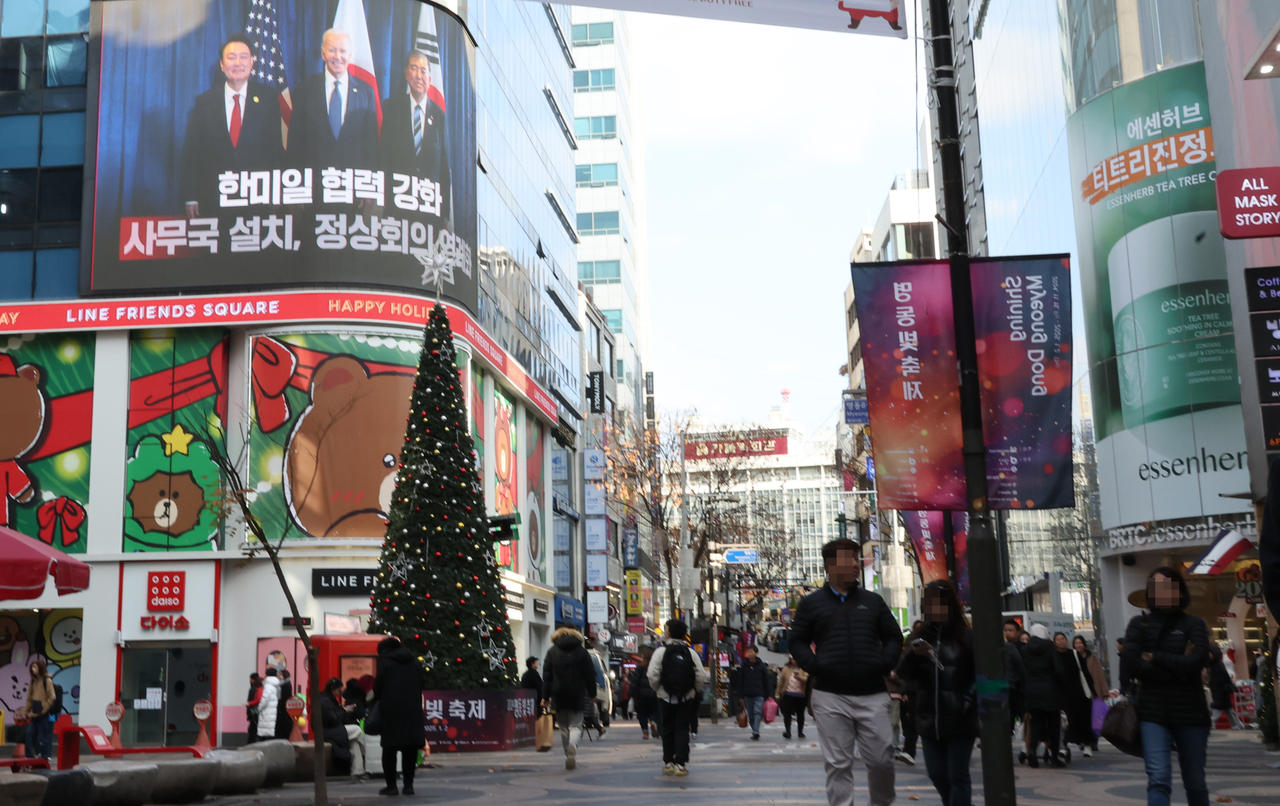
(1100, 709)
(373, 720)
(770, 711)
(545, 732)
(742, 717)
(1120, 727)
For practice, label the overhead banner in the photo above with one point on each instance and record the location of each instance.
(1022, 319)
(296, 142)
(875, 17)
(909, 350)
(1153, 271)
(927, 531)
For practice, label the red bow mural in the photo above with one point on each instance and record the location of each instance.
(61, 516)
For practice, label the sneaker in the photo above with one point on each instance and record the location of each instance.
(800, 735)
(668, 769)
(571, 763)
(681, 770)
(1088, 752)
(904, 758)
(755, 737)
(645, 735)
(786, 734)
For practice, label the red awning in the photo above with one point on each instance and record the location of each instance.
(26, 564)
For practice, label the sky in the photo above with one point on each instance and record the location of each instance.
(767, 150)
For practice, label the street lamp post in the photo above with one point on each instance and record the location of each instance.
(983, 551)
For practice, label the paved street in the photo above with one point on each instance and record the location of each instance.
(728, 768)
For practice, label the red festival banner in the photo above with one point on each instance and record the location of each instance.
(909, 351)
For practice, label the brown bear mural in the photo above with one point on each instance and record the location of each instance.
(169, 503)
(341, 459)
(22, 411)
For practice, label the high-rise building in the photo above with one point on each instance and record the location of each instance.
(612, 259)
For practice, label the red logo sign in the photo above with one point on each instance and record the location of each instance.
(1249, 203)
(166, 590)
(165, 623)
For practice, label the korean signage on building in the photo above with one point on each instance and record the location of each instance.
(634, 604)
(168, 602)
(253, 177)
(746, 443)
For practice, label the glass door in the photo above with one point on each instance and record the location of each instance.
(158, 688)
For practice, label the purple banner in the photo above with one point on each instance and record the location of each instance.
(474, 721)
(1022, 318)
(909, 352)
(926, 530)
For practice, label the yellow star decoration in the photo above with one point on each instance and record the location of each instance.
(176, 441)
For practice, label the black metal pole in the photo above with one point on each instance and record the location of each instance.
(983, 551)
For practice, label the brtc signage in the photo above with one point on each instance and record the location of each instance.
(1249, 202)
(742, 556)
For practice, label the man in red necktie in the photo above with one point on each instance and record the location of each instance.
(232, 127)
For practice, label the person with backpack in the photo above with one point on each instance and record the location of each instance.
(569, 685)
(645, 697)
(1166, 650)
(40, 709)
(790, 692)
(677, 676)
(858, 643)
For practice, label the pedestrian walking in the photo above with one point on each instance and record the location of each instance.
(1165, 650)
(269, 704)
(753, 688)
(602, 702)
(858, 642)
(251, 703)
(940, 666)
(398, 691)
(347, 740)
(284, 722)
(1043, 663)
(38, 709)
(678, 678)
(1221, 689)
(1085, 682)
(569, 685)
(791, 692)
(646, 699)
(1014, 672)
(531, 679)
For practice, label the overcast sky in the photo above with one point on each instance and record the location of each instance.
(767, 150)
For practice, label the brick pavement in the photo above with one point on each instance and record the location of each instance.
(727, 768)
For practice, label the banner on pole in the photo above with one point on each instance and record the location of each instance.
(874, 17)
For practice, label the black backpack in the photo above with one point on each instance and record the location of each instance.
(56, 707)
(677, 676)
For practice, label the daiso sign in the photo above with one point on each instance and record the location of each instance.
(166, 590)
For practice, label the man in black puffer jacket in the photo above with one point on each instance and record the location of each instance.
(1045, 695)
(858, 643)
(570, 681)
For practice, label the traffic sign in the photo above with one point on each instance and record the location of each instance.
(742, 556)
(855, 411)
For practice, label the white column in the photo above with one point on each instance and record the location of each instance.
(110, 449)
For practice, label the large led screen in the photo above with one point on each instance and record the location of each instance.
(246, 143)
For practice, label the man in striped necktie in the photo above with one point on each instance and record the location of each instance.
(413, 141)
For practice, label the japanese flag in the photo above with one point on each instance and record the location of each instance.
(350, 19)
(428, 41)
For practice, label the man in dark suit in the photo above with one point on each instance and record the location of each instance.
(335, 119)
(413, 133)
(232, 127)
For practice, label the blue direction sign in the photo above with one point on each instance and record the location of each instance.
(855, 411)
(742, 556)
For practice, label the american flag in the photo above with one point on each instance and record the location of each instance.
(263, 29)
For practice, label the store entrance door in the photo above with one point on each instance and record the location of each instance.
(158, 687)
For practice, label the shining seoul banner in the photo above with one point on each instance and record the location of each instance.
(909, 350)
(874, 17)
(931, 543)
(254, 143)
(1022, 318)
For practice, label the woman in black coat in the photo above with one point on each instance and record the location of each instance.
(333, 720)
(1166, 650)
(1221, 690)
(1044, 695)
(399, 695)
(939, 667)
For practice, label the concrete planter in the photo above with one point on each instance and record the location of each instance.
(184, 780)
(280, 759)
(239, 773)
(121, 783)
(66, 787)
(21, 789)
(304, 767)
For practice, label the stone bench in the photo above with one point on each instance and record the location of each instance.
(121, 783)
(239, 773)
(186, 780)
(66, 787)
(304, 766)
(280, 759)
(22, 789)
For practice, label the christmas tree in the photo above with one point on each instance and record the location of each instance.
(438, 589)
